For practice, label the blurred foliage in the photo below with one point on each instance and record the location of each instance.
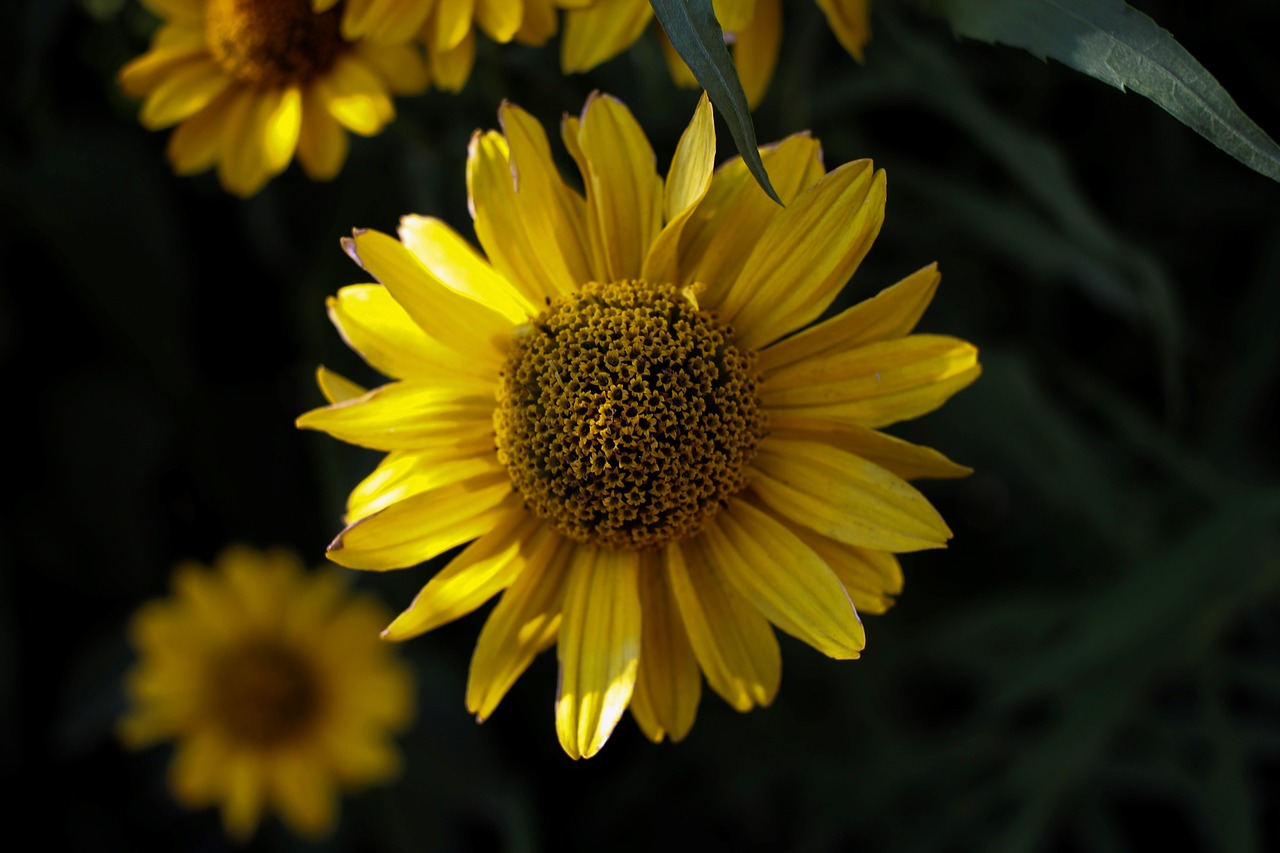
(1093, 665)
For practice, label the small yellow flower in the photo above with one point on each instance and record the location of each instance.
(601, 31)
(622, 406)
(447, 27)
(273, 684)
(250, 82)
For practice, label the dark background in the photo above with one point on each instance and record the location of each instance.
(1093, 665)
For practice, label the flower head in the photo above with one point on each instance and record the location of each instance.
(274, 686)
(249, 83)
(448, 28)
(625, 411)
(600, 31)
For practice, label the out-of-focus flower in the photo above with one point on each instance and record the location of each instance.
(274, 686)
(622, 406)
(249, 83)
(599, 32)
(447, 27)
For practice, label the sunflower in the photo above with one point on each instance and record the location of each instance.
(448, 28)
(274, 686)
(625, 411)
(251, 82)
(753, 28)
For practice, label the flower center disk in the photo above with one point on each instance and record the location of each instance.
(272, 42)
(264, 693)
(626, 415)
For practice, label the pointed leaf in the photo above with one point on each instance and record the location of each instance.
(695, 33)
(1117, 44)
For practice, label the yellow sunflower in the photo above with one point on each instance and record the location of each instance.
(273, 684)
(601, 31)
(251, 82)
(447, 27)
(622, 411)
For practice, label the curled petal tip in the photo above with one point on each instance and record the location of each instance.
(349, 246)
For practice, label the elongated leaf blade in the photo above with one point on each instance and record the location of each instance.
(696, 35)
(1117, 44)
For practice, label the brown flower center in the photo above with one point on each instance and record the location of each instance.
(272, 43)
(626, 415)
(264, 693)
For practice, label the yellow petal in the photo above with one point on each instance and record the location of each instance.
(195, 776)
(850, 20)
(281, 128)
(537, 267)
(875, 385)
(525, 621)
(909, 461)
(486, 567)
(553, 215)
(600, 32)
(624, 192)
(187, 34)
(360, 761)
(405, 473)
(538, 24)
(458, 322)
(755, 50)
(686, 186)
(185, 91)
(323, 143)
(668, 685)
(791, 585)
(733, 643)
(354, 95)
(806, 255)
(142, 75)
(691, 166)
(733, 216)
(734, 15)
(196, 144)
(408, 416)
(385, 23)
(245, 165)
(423, 526)
(244, 793)
(845, 497)
(401, 66)
(302, 788)
(450, 68)
(500, 19)
(891, 313)
(872, 578)
(598, 648)
(374, 325)
(451, 24)
(460, 268)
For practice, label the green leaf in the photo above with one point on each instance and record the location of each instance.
(696, 35)
(1119, 45)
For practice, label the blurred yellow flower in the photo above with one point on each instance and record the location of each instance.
(251, 82)
(448, 27)
(274, 685)
(601, 31)
(619, 407)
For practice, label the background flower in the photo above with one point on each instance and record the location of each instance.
(448, 29)
(604, 29)
(252, 82)
(273, 686)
